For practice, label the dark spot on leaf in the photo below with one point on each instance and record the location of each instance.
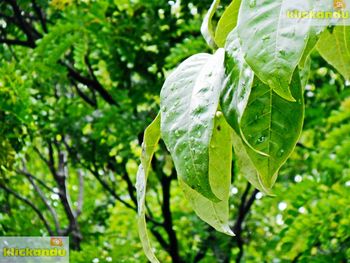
(218, 128)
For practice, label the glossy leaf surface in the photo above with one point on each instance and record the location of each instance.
(227, 22)
(272, 125)
(273, 43)
(189, 100)
(207, 29)
(215, 214)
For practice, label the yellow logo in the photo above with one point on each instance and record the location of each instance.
(339, 4)
(56, 242)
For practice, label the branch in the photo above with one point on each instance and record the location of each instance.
(173, 248)
(243, 211)
(92, 83)
(29, 203)
(81, 193)
(45, 201)
(40, 15)
(28, 30)
(84, 96)
(15, 42)
(36, 179)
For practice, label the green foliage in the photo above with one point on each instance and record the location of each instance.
(261, 95)
(77, 91)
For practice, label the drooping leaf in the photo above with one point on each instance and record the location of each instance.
(313, 37)
(207, 25)
(273, 43)
(215, 214)
(150, 142)
(246, 166)
(335, 49)
(272, 125)
(234, 99)
(227, 22)
(305, 72)
(238, 82)
(189, 100)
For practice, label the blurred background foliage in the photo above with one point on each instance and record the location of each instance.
(79, 82)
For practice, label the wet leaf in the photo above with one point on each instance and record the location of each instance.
(273, 43)
(216, 214)
(272, 125)
(189, 100)
(207, 29)
(227, 22)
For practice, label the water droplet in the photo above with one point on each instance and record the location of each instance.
(280, 153)
(252, 3)
(282, 52)
(266, 37)
(218, 114)
(261, 139)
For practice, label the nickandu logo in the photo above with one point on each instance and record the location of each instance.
(34, 252)
(39, 249)
(323, 12)
(339, 4)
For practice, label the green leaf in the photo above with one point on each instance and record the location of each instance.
(272, 125)
(246, 166)
(189, 100)
(215, 214)
(234, 99)
(335, 49)
(207, 25)
(227, 22)
(150, 142)
(305, 72)
(272, 43)
(237, 84)
(313, 37)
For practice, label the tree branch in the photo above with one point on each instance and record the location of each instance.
(29, 203)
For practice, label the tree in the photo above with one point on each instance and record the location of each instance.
(79, 82)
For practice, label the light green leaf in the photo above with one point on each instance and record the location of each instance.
(207, 25)
(273, 43)
(305, 72)
(215, 214)
(150, 142)
(227, 22)
(189, 100)
(272, 125)
(310, 45)
(335, 49)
